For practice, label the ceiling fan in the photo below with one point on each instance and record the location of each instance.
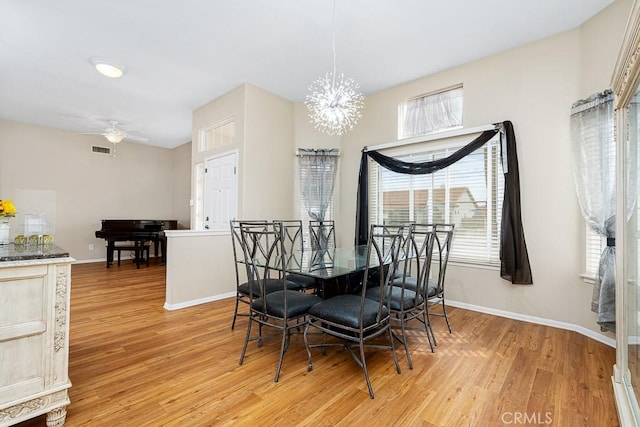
(115, 134)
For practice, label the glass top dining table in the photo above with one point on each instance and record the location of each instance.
(329, 263)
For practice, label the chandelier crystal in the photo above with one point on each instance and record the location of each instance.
(334, 102)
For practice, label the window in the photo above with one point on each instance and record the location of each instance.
(305, 222)
(429, 113)
(318, 170)
(217, 135)
(595, 244)
(468, 193)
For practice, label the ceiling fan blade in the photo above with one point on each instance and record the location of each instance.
(135, 138)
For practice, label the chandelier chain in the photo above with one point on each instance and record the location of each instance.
(334, 42)
(334, 102)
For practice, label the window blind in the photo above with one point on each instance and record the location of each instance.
(594, 245)
(317, 172)
(468, 193)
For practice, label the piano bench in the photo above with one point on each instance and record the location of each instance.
(140, 250)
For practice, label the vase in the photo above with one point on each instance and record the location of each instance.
(4, 231)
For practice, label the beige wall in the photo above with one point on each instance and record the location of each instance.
(534, 87)
(86, 187)
(227, 106)
(182, 185)
(269, 150)
(192, 277)
(264, 140)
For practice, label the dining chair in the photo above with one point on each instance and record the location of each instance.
(292, 237)
(435, 289)
(322, 234)
(356, 319)
(406, 304)
(280, 309)
(243, 294)
(398, 273)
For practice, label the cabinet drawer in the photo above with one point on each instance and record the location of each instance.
(27, 373)
(23, 300)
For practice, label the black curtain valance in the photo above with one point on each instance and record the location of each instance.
(514, 257)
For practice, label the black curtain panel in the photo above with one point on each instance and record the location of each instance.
(514, 257)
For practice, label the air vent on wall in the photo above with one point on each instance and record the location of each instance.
(100, 150)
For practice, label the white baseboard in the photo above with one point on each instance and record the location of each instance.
(88, 261)
(538, 320)
(104, 260)
(191, 303)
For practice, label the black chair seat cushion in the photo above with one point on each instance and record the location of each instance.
(298, 303)
(374, 278)
(395, 299)
(303, 282)
(273, 285)
(431, 288)
(345, 310)
(412, 284)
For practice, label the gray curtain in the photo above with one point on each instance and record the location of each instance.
(594, 151)
(318, 170)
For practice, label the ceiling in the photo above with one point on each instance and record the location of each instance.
(179, 54)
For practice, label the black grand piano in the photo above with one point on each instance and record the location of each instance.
(138, 232)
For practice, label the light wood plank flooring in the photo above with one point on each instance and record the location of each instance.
(132, 363)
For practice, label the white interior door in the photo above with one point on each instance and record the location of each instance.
(220, 191)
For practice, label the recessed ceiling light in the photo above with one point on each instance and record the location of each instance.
(108, 67)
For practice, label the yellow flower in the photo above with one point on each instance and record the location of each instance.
(7, 209)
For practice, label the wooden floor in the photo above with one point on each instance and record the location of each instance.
(132, 363)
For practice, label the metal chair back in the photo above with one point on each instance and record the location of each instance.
(322, 234)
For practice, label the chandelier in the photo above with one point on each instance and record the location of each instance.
(334, 102)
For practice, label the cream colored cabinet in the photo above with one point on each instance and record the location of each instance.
(34, 339)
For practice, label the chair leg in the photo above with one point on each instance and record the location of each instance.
(246, 341)
(283, 349)
(137, 254)
(306, 345)
(404, 342)
(435, 342)
(444, 310)
(427, 328)
(393, 350)
(235, 314)
(364, 368)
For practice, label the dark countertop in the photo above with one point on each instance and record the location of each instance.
(13, 252)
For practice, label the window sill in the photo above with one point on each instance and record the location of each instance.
(588, 278)
(468, 264)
